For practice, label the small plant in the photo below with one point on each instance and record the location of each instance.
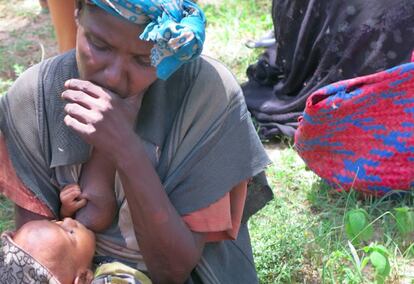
(339, 268)
(18, 69)
(404, 217)
(379, 258)
(357, 225)
(4, 85)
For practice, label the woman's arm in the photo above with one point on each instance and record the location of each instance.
(170, 249)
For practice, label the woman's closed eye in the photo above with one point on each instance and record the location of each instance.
(97, 44)
(143, 60)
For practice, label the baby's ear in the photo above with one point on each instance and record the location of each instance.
(84, 277)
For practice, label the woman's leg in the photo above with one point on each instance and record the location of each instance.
(63, 18)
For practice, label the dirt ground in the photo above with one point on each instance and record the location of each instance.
(26, 37)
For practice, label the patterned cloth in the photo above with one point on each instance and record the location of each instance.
(18, 267)
(359, 133)
(177, 27)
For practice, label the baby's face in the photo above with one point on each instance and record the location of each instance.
(64, 247)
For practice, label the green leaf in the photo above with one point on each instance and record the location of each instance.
(357, 226)
(379, 261)
(381, 265)
(378, 248)
(364, 262)
(405, 220)
(381, 249)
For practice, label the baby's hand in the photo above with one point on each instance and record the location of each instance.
(72, 200)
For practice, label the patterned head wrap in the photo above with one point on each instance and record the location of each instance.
(177, 27)
(17, 266)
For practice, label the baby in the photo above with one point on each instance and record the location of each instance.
(62, 251)
(48, 252)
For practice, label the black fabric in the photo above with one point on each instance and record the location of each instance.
(319, 42)
(259, 194)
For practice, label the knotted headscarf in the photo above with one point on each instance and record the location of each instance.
(177, 27)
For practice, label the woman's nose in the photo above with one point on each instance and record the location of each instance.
(114, 74)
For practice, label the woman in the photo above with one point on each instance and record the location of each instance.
(177, 133)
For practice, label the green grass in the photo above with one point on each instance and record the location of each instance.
(25, 50)
(229, 24)
(6, 214)
(27, 42)
(27, 9)
(300, 236)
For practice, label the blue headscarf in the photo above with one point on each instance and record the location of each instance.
(177, 27)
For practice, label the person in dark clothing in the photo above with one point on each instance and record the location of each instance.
(319, 42)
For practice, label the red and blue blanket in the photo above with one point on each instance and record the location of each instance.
(359, 133)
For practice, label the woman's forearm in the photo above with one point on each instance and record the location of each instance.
(169, 248)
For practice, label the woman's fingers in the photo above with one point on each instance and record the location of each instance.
(102, 118)
(82, 114)
(80, 98)
(88, 87)
(85, 130)
(85, 100)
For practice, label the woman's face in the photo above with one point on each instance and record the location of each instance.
(110, 54)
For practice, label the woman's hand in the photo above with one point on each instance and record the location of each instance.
(100, 117)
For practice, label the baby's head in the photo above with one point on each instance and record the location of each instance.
(57, 252)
